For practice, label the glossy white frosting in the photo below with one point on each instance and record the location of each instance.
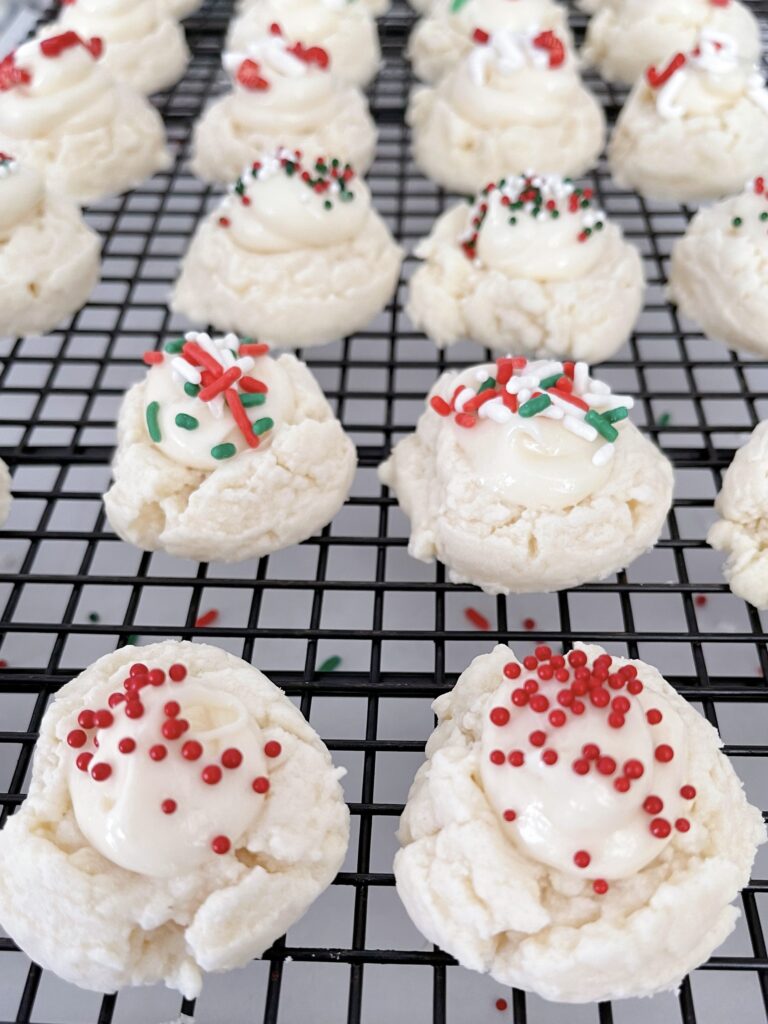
(117, 21)
(560, 812)
(711, 79)
(216, 425)
(509, 81)
(301, 94)
(122, 816)
(71, 92)
(284, 213)
(22, 190)
(537, 247)
(504, 14)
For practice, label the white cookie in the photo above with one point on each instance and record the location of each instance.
(695, 129)
(169, 851)
(518, 498)
(193, 478)
(181, 8)
(346, 31)
(718, 274)
(627, 36)
(49, 257)
(741, 530)
(444, 35)
(5, 492)
(532, 259)
(293, 260)
(284, 94)
(514, 101)
(144, 46)
(538, 869)
(63, 112)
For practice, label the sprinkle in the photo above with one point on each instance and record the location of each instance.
(221, 845)
(207, 619)
(237, 409)
(500, 1004)
(330, 663)
(600, 886)
(478, 620)
(152, 422)
(614, 415)
(603, 455)
(272, 749)
(153, 358)
(263, 425)
(440, 406)
(601, 425)
(664, 420)
(223, 451)
(168, 806)
(253, 349)
(248, 401)
(192, 390)
(94, 617)
(700, 600)
(529, 624)
(534, 405)
(186, 422)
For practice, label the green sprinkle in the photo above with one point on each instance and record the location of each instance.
(513, 220)
(456, 5)
(186, 422)
(174, 347)
(223, 451)
(534, 405)
(736, 222)
(555, 214)
(263, 425)
(328, 205)
(152, 425)
(132, 639)
(614, 415)
(601, 425)
(330, 663)
(94, 617)
(193, 390)
(664, 420)
(255, 399)
(599, 226)
(487, 384)
(346, 196)
(549, 382)
(764, 216)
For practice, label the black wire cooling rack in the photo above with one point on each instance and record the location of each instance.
(69, 591)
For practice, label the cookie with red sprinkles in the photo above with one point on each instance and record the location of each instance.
(584, 798)
(182, 814)
(526, 476)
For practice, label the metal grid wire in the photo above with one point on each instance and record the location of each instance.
(69, 591)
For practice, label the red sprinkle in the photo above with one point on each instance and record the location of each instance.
(664, 753)
(653, 716)
(499, 716)
(582, 859)
(192, 750)
(529, 624)
(83, 760)
(634, 769)
(232, 758)
(158, 752)
(682, 825)
(687, 792)
(100, 772)
(168, 806)
(477, 620)
(510, 815)
(260, 784)
(221, 845)
(126, 745)
(512, 670)
(273, 749)
(153, 358)
(653, 805)
(516, 758)
(600, 886)
(496, 757)
(177, 673)
(660, 828)
(501, 1005)
(211, 774)
(77, 738)
(440, 405)
(172, 709)
(207, 619)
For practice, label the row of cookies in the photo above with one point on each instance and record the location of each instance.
(575, 829)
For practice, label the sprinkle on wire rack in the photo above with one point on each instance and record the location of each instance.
(58, 405)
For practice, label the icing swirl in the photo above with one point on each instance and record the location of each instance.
(538, 434)
(165, 772)
(706, 81)
(22, 190)
(584, 765)
(208, 400)
(278, 205)
(535, 227)
(67, 88)
(118, 21)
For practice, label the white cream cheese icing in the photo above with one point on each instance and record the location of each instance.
(22, 190)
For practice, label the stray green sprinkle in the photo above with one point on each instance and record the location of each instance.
(193, 390)
(223, 451)
(263, 425)
(330, 663)
(132, 639)
(94, 617)
(186, 422)
(254, 399)
(601, 425)
(174, 346)
(152, 425)
(664, 420)
(614, 415)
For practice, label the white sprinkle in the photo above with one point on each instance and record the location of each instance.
(523, 396)
(552, 413)
(568, 407)
(607, 401)
(462, 398)
(216, 405)
(580, 378)
(580, 428)
(481, 375)
(603, 454)
(599, 387)
(499, 413)
(186, 370)
(245, 363)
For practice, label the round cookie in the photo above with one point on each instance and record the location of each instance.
(224, 453)
(627, 36)
(531, 259)
(347, 32)
(5, 492)
(62, 112)
(144, 46)
(203, 825)
(528, 477)
(49, 257)
(741, 531)
(444, 35)
(284, 94)
(718, 274)
(515, 100)
(583, 853)
(695, 129)
(296, 255)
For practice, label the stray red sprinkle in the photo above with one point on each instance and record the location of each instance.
(478, 620)
(700, 600)
(529, 624)
(207, 619)
(502, 1005)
